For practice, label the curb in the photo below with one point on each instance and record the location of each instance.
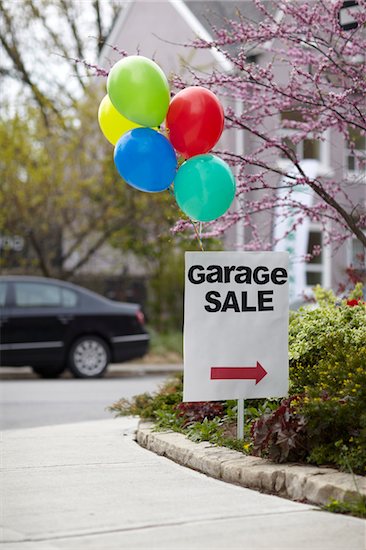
(293, 481)
(123, 370)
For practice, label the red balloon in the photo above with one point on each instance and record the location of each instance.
(195, 121)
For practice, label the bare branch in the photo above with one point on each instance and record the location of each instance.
(11, 48)
(66, 6)
(101, 36)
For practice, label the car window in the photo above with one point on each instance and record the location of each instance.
(69, 298)
(43, 295)
(37, 294)
(3, 287)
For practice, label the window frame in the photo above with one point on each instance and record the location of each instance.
(348, 153)
(324, 150)
(315, 267)
(351, 256)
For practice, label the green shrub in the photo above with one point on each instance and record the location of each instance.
(165, 343)
(207, 430)
(327, 346)
(327, 351)
(155, 406)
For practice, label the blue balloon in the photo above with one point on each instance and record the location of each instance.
(146, 160)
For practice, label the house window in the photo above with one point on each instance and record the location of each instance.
(252, 59)
(355, 150)
(357, 255)
(308, 148)
(292, 115)
(315, 267)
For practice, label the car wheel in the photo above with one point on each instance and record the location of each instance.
(48, 372)
(89, 357)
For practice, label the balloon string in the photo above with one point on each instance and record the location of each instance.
(198, 235)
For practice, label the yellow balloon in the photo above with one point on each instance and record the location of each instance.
(112, 123)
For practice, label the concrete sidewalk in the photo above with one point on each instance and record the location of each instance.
(89, 485)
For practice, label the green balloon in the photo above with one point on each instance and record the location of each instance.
(204, 187)
(139, 90)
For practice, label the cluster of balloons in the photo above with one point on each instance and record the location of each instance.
(130, 115)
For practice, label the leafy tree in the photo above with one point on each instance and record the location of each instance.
(59, 189)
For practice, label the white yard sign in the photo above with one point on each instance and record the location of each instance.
(235, 325)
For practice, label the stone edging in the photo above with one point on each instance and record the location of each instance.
(296, 482)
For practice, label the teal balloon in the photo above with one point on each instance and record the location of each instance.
(204, 187)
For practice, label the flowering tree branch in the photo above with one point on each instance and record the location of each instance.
(307, 81)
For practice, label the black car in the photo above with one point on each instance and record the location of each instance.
(51, 325)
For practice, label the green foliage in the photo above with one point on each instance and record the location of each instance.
(324, 423)
(157, 406)
(327, 350)
(327, 345)
(58, 188)
(166, 419)
(355, 508)
(260, 407)
(165, 287)
(207, 430)
(163, 343)
(205, 421)
(163, 257)
(356, 293)
(60, 191)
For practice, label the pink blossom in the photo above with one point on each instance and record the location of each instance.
(324, 83)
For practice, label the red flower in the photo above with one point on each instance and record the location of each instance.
(352, 303)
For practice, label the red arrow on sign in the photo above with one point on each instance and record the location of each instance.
(239, 373)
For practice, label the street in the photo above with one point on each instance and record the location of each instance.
(32, 402)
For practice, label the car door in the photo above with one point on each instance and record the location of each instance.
(37, 324)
